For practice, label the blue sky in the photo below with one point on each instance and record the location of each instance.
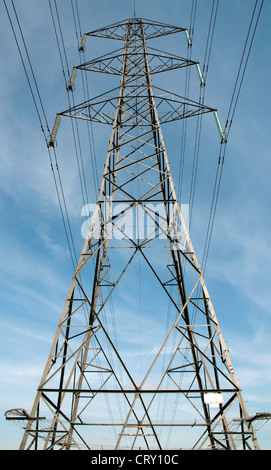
(36, 267)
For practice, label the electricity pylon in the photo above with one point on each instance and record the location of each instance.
(156, 373)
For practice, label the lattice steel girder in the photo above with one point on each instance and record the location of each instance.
(103, 107)
(95, 355)
(112, 63)
(118, 30)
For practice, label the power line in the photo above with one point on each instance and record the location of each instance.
(186, 94)
(207, 55)
(210, 37)
(25, 70)
(59, 191)
(76, 18)
(75, 130)
(78, 33)
(233, 103)
(230, 115)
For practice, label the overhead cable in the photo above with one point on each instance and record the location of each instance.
(207, 55)
(42, 117)
(232, 108)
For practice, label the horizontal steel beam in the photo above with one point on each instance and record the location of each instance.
(138, 391)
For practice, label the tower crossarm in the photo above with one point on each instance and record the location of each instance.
(111, 63)
(117, 31)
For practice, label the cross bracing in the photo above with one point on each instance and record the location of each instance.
(168, 383)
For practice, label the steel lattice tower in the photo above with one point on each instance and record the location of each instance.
(93, 394)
